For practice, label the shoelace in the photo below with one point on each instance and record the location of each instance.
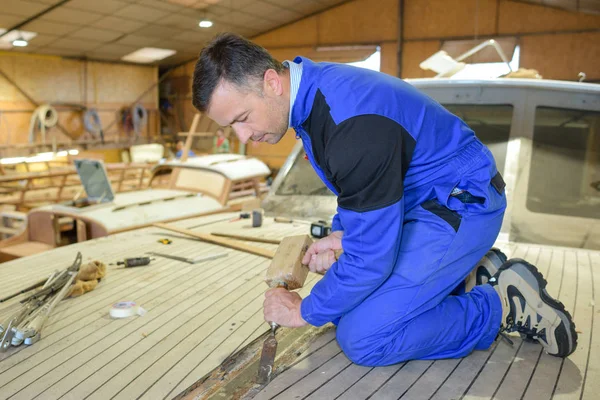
(519, 327)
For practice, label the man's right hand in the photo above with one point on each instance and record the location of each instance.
(320, 255)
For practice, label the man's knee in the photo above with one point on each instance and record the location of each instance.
(353, 346)
(363, 347)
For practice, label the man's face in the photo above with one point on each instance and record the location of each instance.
(256, 117)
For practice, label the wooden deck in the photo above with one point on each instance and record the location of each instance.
(197, 315)
(200, 314)
(504, 372)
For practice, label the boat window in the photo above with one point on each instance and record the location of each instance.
(565, 163)
(491, 124)
(302, 180)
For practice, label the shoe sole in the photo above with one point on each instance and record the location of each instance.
(538, 283)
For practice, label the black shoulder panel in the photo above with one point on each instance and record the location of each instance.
(365, 157)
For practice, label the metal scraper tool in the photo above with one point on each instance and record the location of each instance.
(267, 357)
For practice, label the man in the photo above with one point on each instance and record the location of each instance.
(419, 203)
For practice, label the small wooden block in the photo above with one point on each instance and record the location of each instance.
(286, 266)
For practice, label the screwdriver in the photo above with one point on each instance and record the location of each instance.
(135, 262)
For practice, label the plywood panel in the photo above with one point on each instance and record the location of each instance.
(516, 17)
(448, 18)
(300, 33)
(413, 53)
(120, 83)
(45, 79)
(7, 91)
(562, 56)
(359, 22)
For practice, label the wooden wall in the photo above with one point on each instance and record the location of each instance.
(357, 22)
(49, 79)
(558, 43)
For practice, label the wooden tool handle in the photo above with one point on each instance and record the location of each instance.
(286, 220)
(248, 238)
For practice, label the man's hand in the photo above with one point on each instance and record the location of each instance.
(283, 307)
(320, 256)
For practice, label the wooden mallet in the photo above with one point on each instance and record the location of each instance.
(287, 271)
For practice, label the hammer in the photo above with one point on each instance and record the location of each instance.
(287, 271)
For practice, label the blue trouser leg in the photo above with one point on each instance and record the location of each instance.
(412, 315)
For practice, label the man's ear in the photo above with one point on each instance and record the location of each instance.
(272, 83)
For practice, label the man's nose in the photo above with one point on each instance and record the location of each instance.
(243, 134)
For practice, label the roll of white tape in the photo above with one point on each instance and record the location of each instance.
(125, 309)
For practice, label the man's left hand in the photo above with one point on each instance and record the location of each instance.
(283, 307)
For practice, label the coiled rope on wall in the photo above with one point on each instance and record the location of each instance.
(92, 123)
(44, 117)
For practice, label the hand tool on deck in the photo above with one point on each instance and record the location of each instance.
(257, 217)
(27, 289)
(190, 260)
(244, 215)
(287, 271)
(25, 325)
(285, 220)
(135, 262)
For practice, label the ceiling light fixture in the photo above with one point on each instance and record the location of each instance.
(205, 22)
(20, 41)
(148, 55)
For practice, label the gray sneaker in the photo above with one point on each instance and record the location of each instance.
(527, 308)
(487, 267)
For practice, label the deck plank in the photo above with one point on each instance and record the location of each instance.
(370, 383)
(340, 383)
(591, 378)
(516, 378)
(402, 381)
(541, 382)
(574, 367)
(317, 378)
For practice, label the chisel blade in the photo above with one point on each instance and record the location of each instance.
(267, 359)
